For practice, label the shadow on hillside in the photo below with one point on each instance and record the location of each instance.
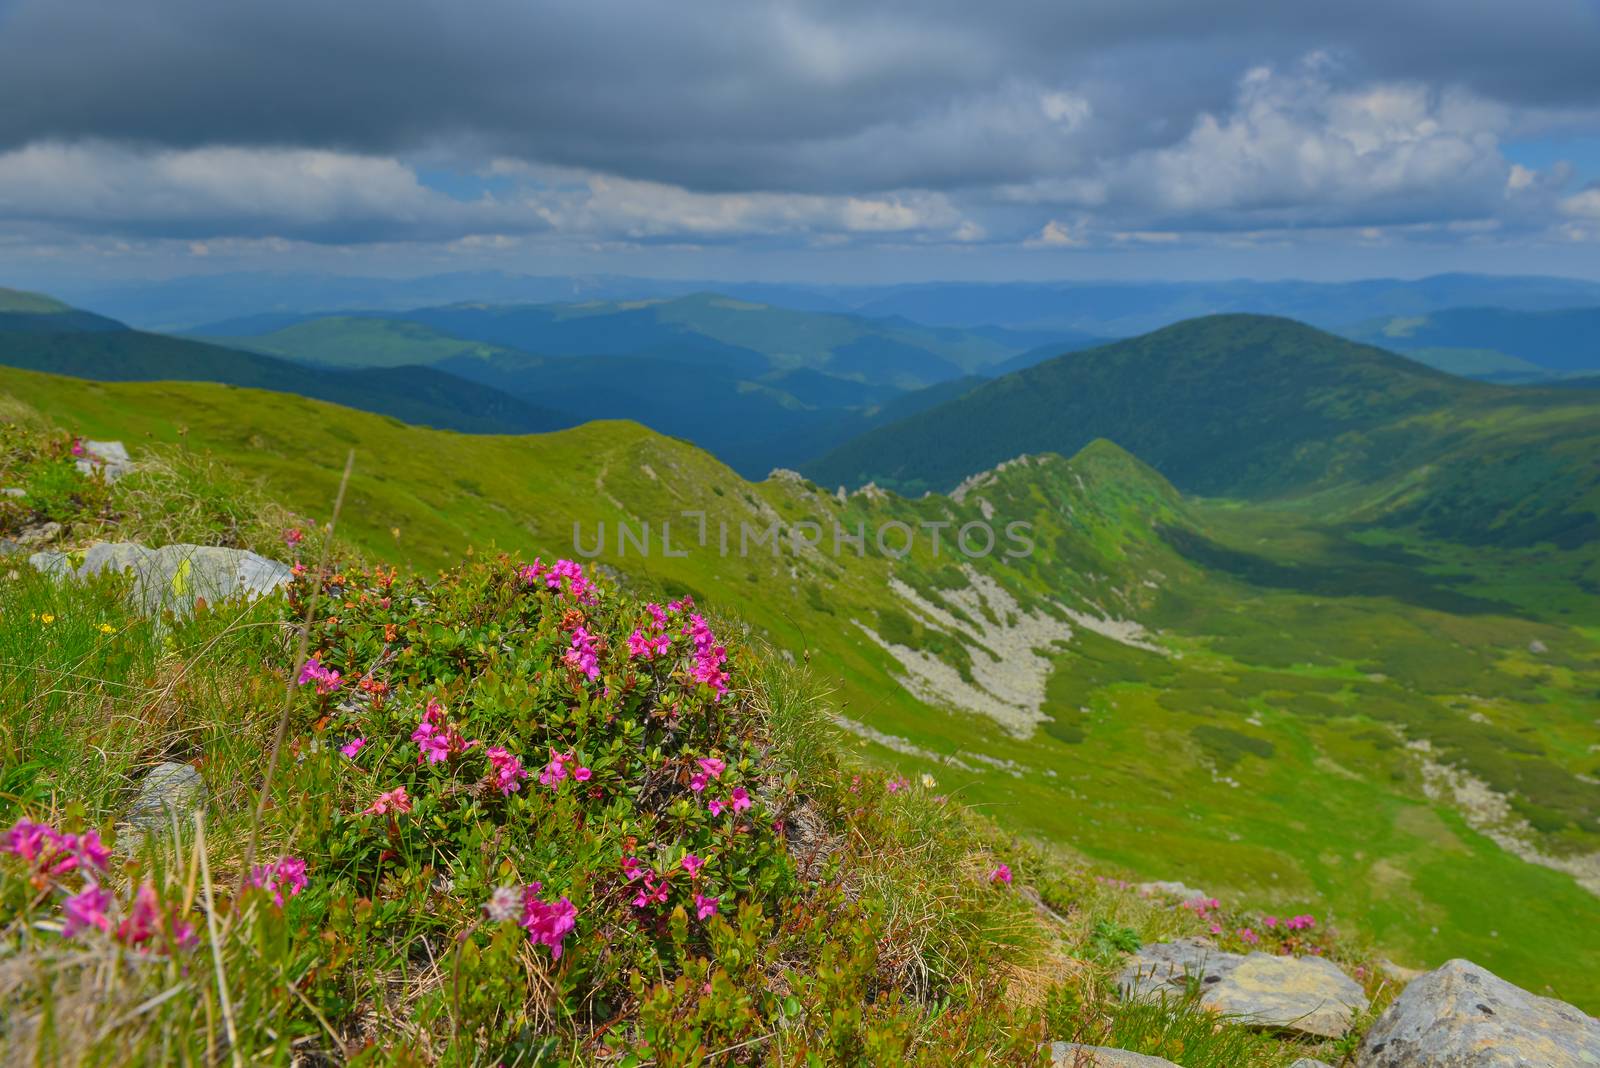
(1350, 570)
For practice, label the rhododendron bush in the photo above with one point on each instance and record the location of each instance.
(533, 763)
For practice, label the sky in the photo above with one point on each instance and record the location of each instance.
(837, 140)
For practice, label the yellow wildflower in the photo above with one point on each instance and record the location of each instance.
(107, 628)
(47, 619)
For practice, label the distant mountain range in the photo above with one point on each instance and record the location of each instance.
(761, 387)
(1503, 344)
(37, 333)
(1105, 309)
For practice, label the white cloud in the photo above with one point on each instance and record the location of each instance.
(1056, 234)
(224, 191)
(1584, 205)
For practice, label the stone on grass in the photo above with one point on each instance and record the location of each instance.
(1462, 1016)
(173, 577)
(1171, 889)
(1307, 1062)
(109, 457)
(39, 534)
(1073, 1055)
(169, 789)
(1397, 972)
(1306, 995)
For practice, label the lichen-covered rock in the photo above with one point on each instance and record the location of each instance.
(1461, 1016)
(1308, 995)
(173, 577)
(1307, 1062)
(108, 457)
(1073, 1055)
(168, 789)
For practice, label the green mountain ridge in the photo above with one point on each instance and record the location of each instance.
(1265, 408)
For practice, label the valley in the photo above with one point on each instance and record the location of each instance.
(1234, 692)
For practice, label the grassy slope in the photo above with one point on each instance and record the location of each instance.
(1331, 814)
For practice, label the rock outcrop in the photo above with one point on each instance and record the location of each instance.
(110, 458)
(1306, 995)
(173, 577)
(169, 789)
(1073, 1055)
(1461, 1016)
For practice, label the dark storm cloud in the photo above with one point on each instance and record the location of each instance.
(727, 95)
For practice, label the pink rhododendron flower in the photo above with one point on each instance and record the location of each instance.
(653, 893)
(582, 655)
(86, 909)
(1300, 923)
(709, 656)
(1249, 936)
(658, 615)
(78, 447)
(285, 874)
(52, 852)
(704, 907)
(568, 571)
(505, 903)
(698, 783)
(327, 680)
(27, 839)
(716, 807)
(896, 784)
(712, 766)
(507, 770)
(1269, 921)
(143, 920)
(582, 774)
(632, 868)
(1001, 874)
(741, 799)
(293, 536)
(647, 647)
(547, 922)
(692, 864)
(352, 747)
(395, 800)
(555, 772)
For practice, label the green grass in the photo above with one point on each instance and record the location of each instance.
(1321, 639)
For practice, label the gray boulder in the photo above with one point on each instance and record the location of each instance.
(1307, 1062)
(168, 789)
(1171, 889)
(1307, 995)
(1461, 1016)
(108, 457)
(39, 534)
(1073, 1055)
(173, 577)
